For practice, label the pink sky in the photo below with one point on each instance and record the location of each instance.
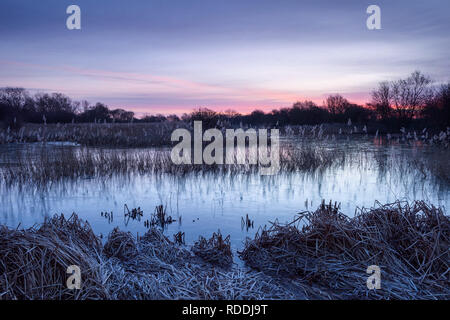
(173, 56)
(132, 91)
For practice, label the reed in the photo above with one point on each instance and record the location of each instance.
(138, 135)
(409, 242)
(46, 165)
(320, 255)
(216, 250)
(34, 262)
(124, 135)
(120, 245)
(33, 265)
(160, 217)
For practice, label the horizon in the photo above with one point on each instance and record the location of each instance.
(172, 57)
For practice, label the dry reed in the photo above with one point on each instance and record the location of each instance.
(410, 243)
(48, 165)
(216, 250)
(33, 265)
(120, 245)
(320, 255)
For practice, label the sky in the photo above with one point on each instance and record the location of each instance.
(171, 56)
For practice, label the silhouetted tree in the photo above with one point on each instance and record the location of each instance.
(154, 118)
(257, 117)
(410, 100)
(120, 115)
(358, 113)
(97, 113)
(336, 104)
(437, 109)
(381, 100)
(410, 95)
(55, 107)
(14, 98)
(208, 117)
(16, 106)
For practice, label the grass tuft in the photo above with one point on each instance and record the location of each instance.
(408, 242)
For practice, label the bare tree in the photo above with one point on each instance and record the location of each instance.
(121, 115)
(405, 96)
(56, 102)
(381, 100)
(16, 98)
(437, 110)
(411, 94)
(336, 104)
(304, 105)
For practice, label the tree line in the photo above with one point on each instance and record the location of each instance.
(18, 106)
(415, 99)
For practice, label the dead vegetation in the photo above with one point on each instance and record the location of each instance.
(96, 134)
(46, 165)
(179, 238)
(246, 223)
(33, 265)
(120, 245)
(410, 243)
(160, 217)
(133, 214)
(320, 255)
(216, 250)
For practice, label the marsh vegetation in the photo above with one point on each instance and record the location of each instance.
(323, 258)
(130, 199)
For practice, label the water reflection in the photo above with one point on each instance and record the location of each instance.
(202, 203)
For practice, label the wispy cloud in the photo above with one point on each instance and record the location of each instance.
(171, 55)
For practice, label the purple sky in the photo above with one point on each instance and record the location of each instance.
(171, 56)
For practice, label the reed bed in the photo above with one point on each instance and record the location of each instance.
(320, 255)
(49, 164)
(33, 265)
(216, 250)
(120, 245)
(409, 242)
(137, 135)
(96, 134)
